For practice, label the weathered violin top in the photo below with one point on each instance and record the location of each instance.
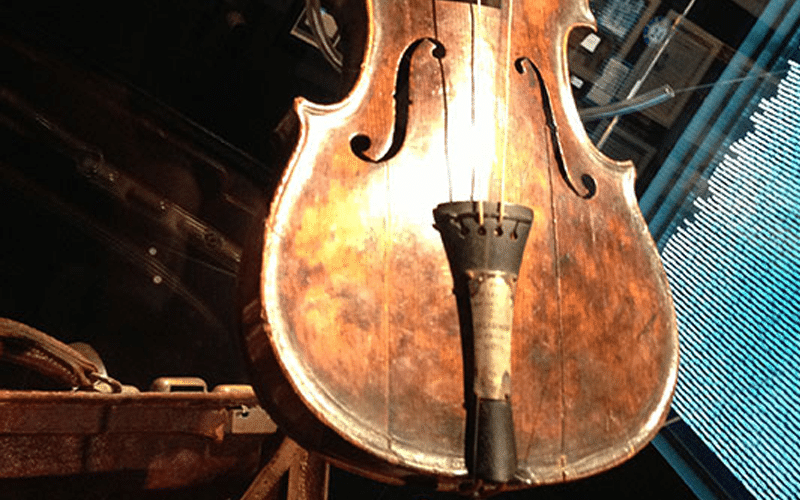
(352, 329)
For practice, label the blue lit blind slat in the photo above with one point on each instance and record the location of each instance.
(712, 122)
(734, 268)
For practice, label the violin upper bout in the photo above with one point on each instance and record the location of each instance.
(569, 14)
(584, 156)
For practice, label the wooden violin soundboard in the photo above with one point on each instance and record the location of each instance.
(359, 346)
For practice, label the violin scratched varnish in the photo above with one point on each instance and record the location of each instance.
(351, 326)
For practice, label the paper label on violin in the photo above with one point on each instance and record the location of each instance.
(492, 302)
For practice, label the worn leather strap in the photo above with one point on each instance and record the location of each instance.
(26, 346)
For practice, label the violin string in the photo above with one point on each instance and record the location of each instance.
(475, 66)
(479, 69)
(472, 89)
(445, 111)
(507, 97)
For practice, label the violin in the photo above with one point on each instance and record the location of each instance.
(453, 284)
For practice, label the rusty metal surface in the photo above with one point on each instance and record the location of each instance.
(292, 473)
(173, 440)
(308, 478)
(353, 326)
(179, 384)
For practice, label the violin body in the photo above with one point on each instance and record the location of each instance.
(350, 322)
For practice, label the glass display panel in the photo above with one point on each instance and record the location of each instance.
(717, 167)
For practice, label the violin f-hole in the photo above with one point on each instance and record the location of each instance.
(535, 77)
(361, 143)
